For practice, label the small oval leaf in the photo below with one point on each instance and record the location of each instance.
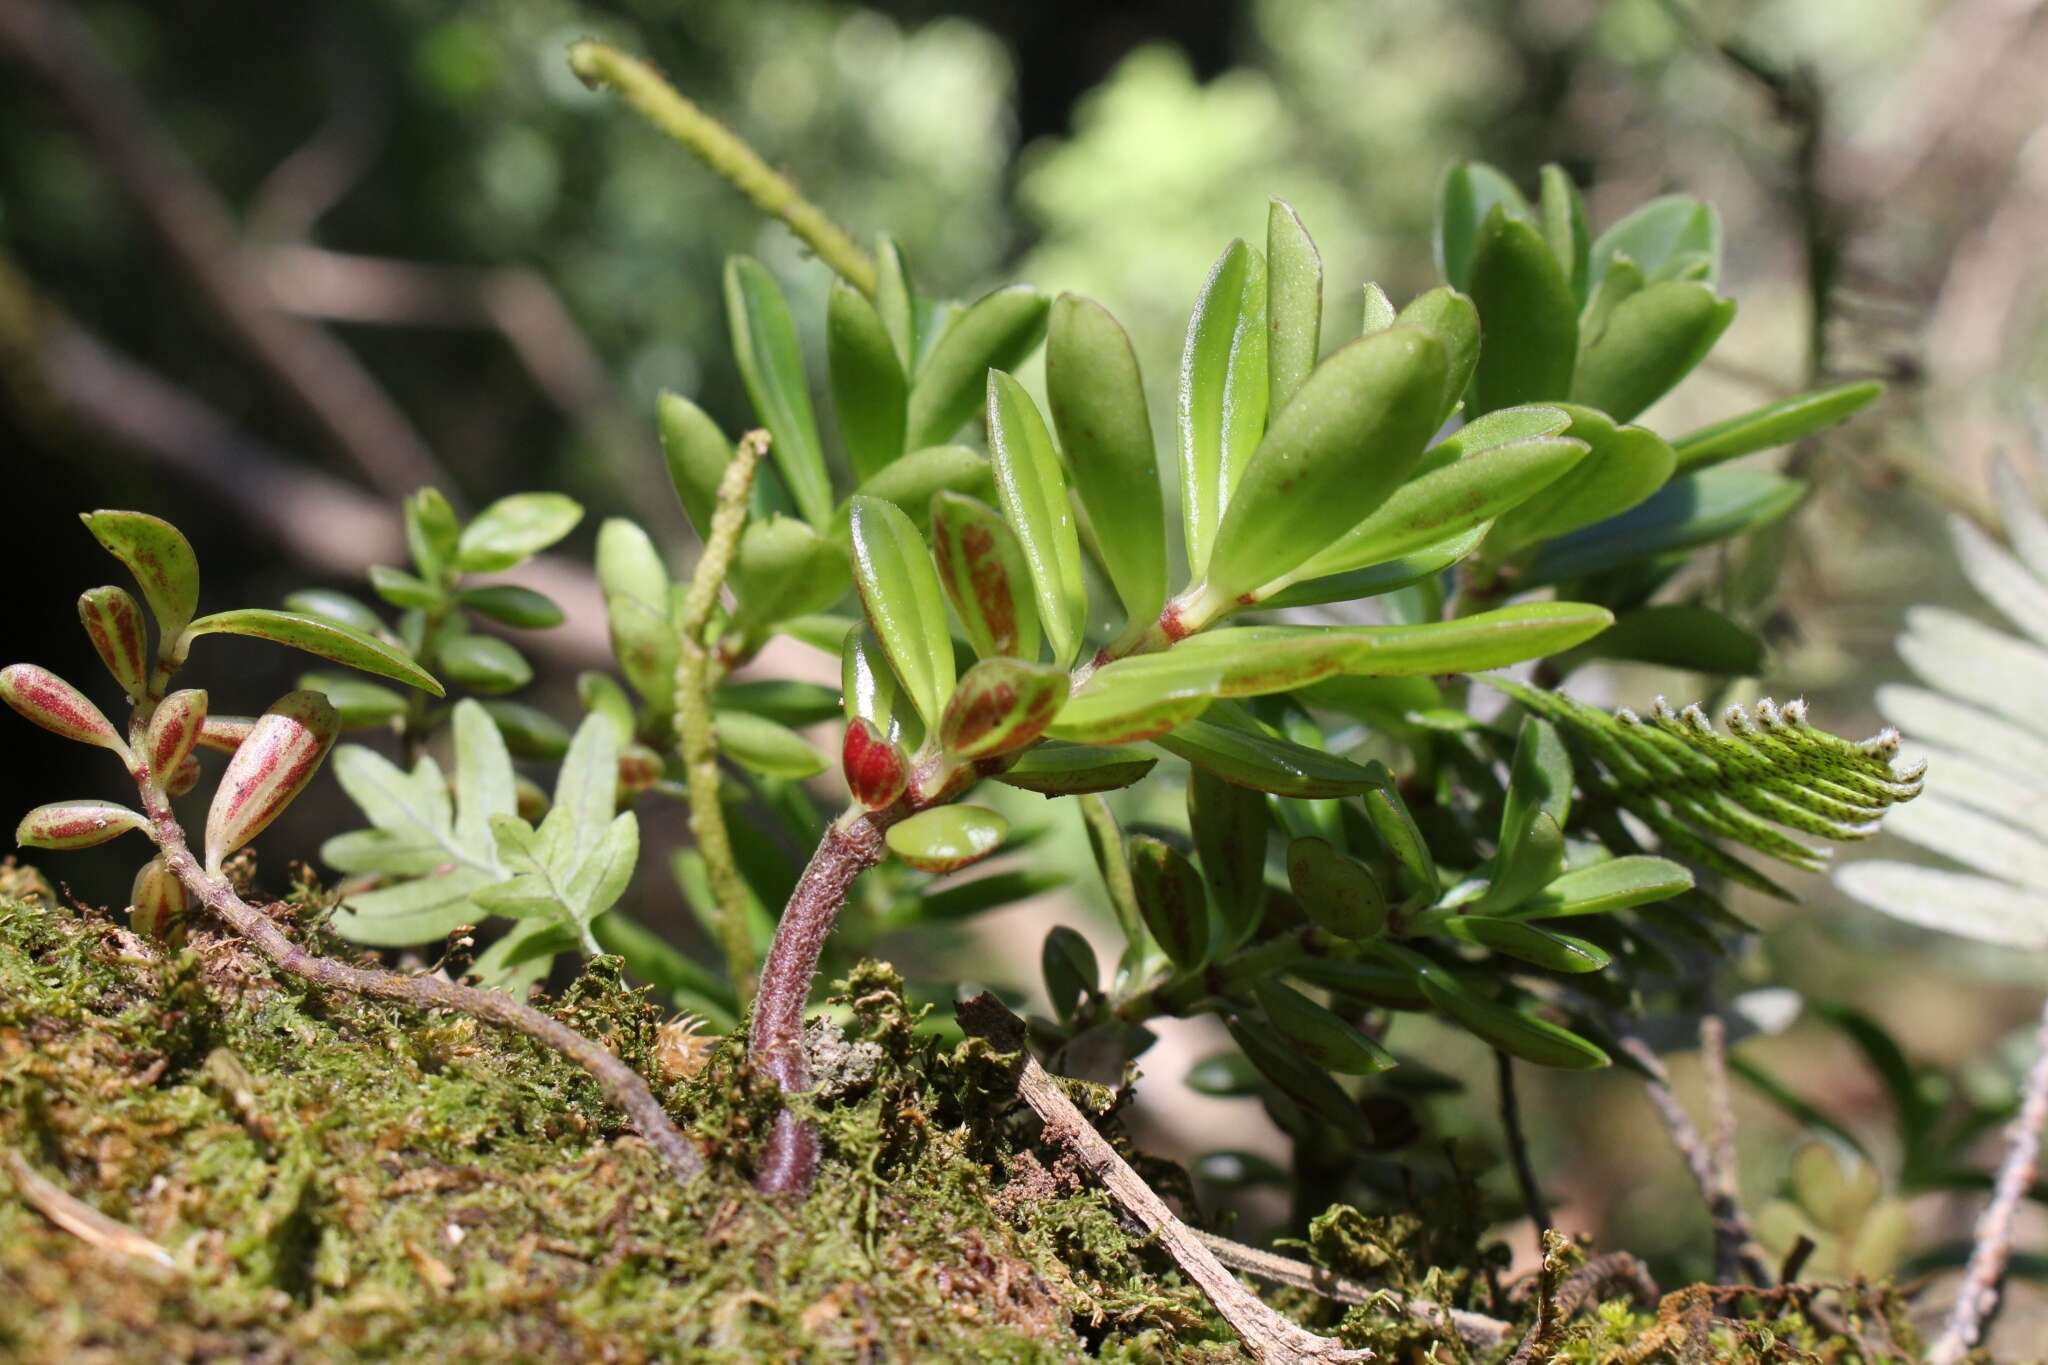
(760, 745)
(1336, 893)
(1054, 768)
(1530, 316)
(985, 576)
(484, 663)
(514, 529)
(1230, 824)
(1033, 492)
(1319, 1033)
(173, 731)
(160, 558)
(947, 838)
(1775, 425)
(1171, 900)
(899, 588)
(327, 639)
(511, 605)
(1222, 400)
(1647, 344)
(42, 697)
(877, 770)
(771, 364)
(997, 332)
(1526, 943)
(76, 824)
(1000, 706)
(270, 768)
(156, 901)
(1294, 304)
(869, 390)
(113, 622)
(696, 452)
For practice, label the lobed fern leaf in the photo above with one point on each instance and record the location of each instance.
(1769, 776)
(1979, 718)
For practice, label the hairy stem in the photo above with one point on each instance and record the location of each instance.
(850, 847)
(695, 741)
(1979, 1296)
(619, 1081)
(718, 147)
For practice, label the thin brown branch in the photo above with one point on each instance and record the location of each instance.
(1734, 1242)
(81, 1219)
(1266, 1335)
(1721, 1143)
(1518, 1145)
(1978, 1297)
(314, 372)
(619, 1081)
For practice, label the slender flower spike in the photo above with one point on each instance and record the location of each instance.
(173, 730)
(76, 824)
(113, 621)
(57, 706)
(272, 766)
(224, 734)
(156, 903)
(877, 770)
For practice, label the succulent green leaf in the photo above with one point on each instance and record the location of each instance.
(514, 529)
(433, 533)
(869, 390)
(511, 605)
(999, 331)
(1605, 887)
(1526, 943)
(1774, 425)
(1098, 407)
(1378, 311)
(1675, 636)
(900, 591)
(173, 731)
(760, 745)
(1395, 825)
(338, 607)
(984, 572)
(1071, 971)
(1647, 344)
(1336, 892)
(359, 704)
(1440, 507)
(636, 598)
(1412, 569)
(272, 766)
(1230, 824)
(1294, 304)
(1690, 511)
(1511, 1030)
(1671, 237)
(601, 696)
(1624, 465)
(1351, 436)
(784, 570)
(771, 364)
(1537, 806)
(696, 452)
(787, 700)
(1223, 396)
(402, 589)
(1054, 768)
(1453, 320)
(1318, 1033)
(67, 825)
(1032, 489)
(869, 689)
(947, 838)
(1171, 900)
(1467, 198)
(1530, 315)
(529, 731)
(896, 302)
(915, 479)
(999, 706)
(160, 558)
(1563, 215)
(1309, 1085)
(1264, 762)
(113, 622)
(325, 639)
(486, 664)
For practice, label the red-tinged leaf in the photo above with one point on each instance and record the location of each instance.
(876, 770)
(173, 730)
(161, 560)
(224, 734)
(113, 622)
(999, 706)
(639, 769)
(272, 766)
(76, 824)
(184, 779)
(946, 838)
(983, 569)
(157, 901)
(57, 706)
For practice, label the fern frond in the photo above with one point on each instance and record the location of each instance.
(1979, 717)
(1768, 776)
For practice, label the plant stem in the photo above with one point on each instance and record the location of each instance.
(619, 1081)
(1721, 1148)
(718, 147)
(850, 847)
(1518, 1146)
(696, 743)
(1986, 1270)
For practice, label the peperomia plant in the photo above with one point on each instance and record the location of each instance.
(569, 870)
(1356, 826)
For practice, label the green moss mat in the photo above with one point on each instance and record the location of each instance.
(338, 1179)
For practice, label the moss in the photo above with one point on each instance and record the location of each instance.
(341, 1179)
